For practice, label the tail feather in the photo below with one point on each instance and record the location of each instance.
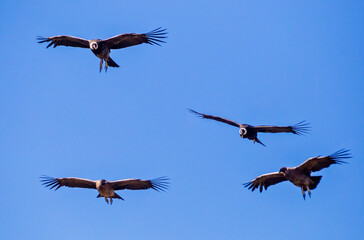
(111, 63)
(258, 141)
(117, 196)
(316, 180)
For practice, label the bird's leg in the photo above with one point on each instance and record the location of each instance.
(309, 192)
(107, 200)
(111, 201)
(106, 66)
(303, 193)
(254, 140)
(101, 62)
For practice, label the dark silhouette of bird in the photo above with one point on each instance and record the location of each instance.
(251, 132)
(107, 188)
(101, 48)
(300, 176)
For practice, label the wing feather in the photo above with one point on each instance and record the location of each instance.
(317, 163)
(300, 128)
(220, 119)
(158, 184)
(154, 37)
(64, 40)
(265, 181)
(68, 182)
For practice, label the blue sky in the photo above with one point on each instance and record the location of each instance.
(255, 62)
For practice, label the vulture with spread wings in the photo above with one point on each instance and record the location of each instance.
(300, 176)
(107, 188)
(101, 48)
(251, 132)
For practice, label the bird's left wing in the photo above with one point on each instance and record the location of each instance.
(64, 40)
(154, 37)
(317, 163)
(265, 181)
(220, 119)
(300, 128)
(68, 182)
(158, 184)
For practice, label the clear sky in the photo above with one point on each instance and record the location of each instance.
(256, 62)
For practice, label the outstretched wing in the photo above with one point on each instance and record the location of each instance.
(64, 40)
(154, 37)
(265, 181)
(317, 163)
(300, 128)
(68, 182)
(220, 119)
(158, 184)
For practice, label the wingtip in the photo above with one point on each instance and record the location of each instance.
(341, 154)
(161, 184)
(155, 36)
(301, 128)
(49, 182)
(195, 112)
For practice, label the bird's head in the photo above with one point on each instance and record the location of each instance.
(242, 132)
(283, 170)
(94, 45)
(103, 181)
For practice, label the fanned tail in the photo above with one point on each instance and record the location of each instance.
(117, 196)
(258, 141)
(316, 180)
(111, 63)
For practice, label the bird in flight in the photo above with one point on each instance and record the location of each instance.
(106, 188)
(251, 132)
(300, 176)
(101, 48)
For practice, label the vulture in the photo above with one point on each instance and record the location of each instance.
(106, 188)
(251, 132)
(101, 48)
(300, 176)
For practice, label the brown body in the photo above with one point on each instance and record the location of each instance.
(106, 190)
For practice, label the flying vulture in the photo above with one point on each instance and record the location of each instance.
(251, 132)
(101, 48)
(300, 176)
(106, 188)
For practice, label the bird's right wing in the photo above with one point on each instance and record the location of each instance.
(158, 184)
(68, 182)
(265, 181)
(64, 40)
(300, 128)
(220, 119)
(317, 163)
(154, 37)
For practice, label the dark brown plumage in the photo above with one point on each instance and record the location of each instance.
(106, 188)
(101, 48)
(251, 132)
(300, 176)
